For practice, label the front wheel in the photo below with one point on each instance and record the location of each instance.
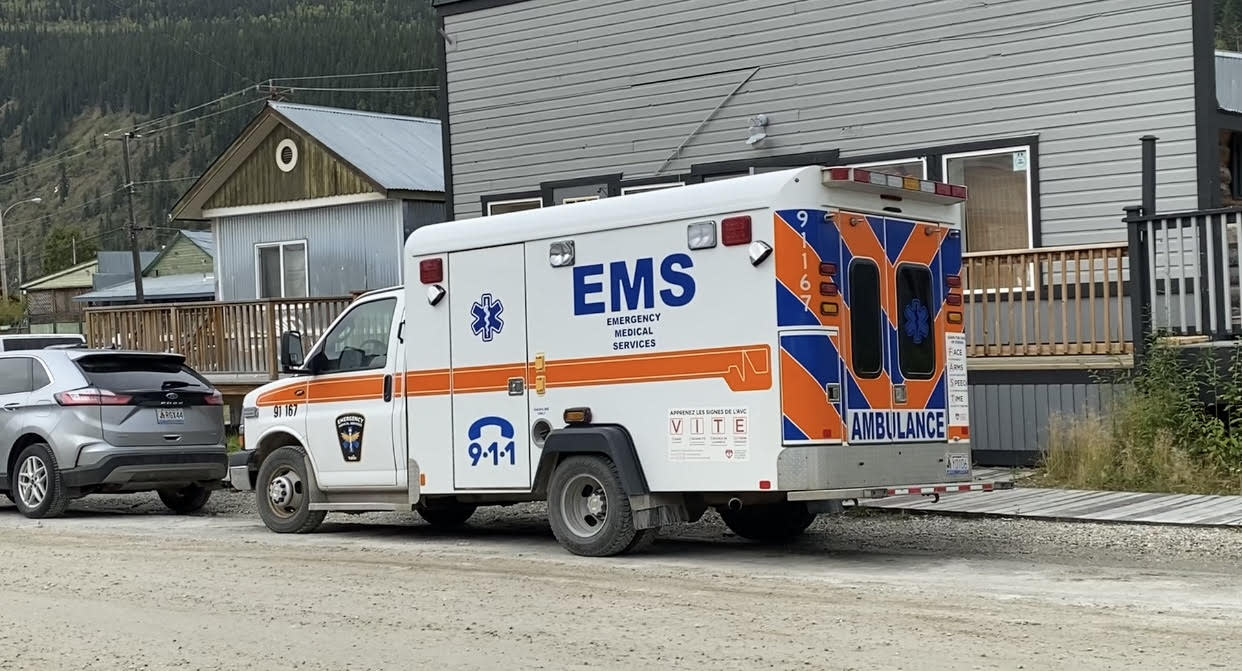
(769, 522)
(186, 500)
(589, 510)
(283, 493)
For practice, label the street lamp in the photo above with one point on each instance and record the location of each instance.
(4, 266)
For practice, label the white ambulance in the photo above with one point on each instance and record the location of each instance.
(764, 346)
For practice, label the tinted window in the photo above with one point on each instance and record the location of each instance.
(15, 375)
(127, 372)
(916, 336)
(866, 337)
(20, 344)
(359, 341)
(39, 378)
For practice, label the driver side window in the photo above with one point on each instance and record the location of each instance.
(359, 341)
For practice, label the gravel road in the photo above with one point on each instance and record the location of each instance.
(118, 584)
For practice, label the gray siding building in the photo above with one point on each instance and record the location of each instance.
(317, 202)
(1036, 105)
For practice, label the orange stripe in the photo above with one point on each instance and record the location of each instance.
(806, 404)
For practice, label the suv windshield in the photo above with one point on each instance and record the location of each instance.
(17, 344)
(128, 372)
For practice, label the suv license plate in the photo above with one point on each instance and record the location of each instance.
(170, 416)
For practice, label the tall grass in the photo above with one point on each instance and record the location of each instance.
(1156, 433)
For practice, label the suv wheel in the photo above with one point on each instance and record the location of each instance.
(589, 511)
(188, 499)
(36, 486)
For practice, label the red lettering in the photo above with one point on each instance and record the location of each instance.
(675, 425)
(717, 424)
(739, 425)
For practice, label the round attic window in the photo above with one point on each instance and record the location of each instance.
(286, 155)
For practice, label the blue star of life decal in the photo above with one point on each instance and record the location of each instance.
(918, 321)
(487, 322)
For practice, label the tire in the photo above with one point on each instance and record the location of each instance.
(769, 522)
(446, 514)
(589, 510)
(281, 493)
(36, 486)
(188, 499)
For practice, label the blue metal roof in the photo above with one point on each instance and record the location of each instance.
(204, 240)
(397, 152)
(166, 287)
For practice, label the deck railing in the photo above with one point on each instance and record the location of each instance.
(1047, 301)
(1186, 272)
(238, 338)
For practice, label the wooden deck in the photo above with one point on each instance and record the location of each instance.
(1048, 308)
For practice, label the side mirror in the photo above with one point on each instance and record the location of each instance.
(292, 356)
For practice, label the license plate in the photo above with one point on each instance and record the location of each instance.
(959, 464)
(170, 416)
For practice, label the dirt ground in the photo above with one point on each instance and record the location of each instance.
(118, 585)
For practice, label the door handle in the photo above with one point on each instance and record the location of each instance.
(387, 388)
(10, 407)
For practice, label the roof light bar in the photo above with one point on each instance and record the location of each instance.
(858, 177)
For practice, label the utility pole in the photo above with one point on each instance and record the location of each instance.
(74, 243)
(21, 274)
(133, 224)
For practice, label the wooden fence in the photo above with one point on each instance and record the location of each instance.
(239, 338)
(1047, 301)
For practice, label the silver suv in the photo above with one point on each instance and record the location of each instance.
(79, 422)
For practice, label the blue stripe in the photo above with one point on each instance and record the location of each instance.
(791, 430)
(816, 353)
(790, 310)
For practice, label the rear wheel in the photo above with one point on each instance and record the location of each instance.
(589, 510)
(769, 522)
(189, 499)
(36, 486)
(446, 514)
(284, 495)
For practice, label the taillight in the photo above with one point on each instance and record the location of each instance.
(92, 397)
(735, 231)
(954, 299)
(214, 398)
(431, 271)
(954, 281)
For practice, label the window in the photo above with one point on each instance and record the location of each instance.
(866, 337)
(578, 199)
(359, 341)
(130, 373)
(507, 206)
(38, 375)
(627, 190)
(281, 270)
(916, 323)
(906, 168)
(15, 375)
(998, 210)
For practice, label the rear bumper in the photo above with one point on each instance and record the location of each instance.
(883, 492)
(132, 469)
(871, 467)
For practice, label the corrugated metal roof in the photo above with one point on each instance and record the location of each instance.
(204, 240)
(1229, 80)
(167, 287)
(77, 277)
(397, 152)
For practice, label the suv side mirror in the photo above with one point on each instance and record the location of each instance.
(292, 355)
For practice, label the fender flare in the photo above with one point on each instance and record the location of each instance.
(608, 440)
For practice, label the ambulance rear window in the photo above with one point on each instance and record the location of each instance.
(916, 334)
(866, 337)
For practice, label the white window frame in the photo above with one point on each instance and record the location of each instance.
(898, 161)
(258, 271)
(1030, 220)
(513, 202)
(627, 190)
(1030, 206)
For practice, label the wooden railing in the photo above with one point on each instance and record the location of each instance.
(1047, 301)
(239, 338)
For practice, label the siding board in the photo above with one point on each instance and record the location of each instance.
(556, 89)
(349, 248)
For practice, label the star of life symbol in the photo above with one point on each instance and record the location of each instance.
(487, 322)
(918, 325)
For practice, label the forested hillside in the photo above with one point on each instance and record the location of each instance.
(73, 70)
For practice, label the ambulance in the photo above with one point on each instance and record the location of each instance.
(765, 346)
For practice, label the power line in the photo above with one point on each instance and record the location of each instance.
(64, 210)
(366, 89)
(55, 158)
(166, 181)
(156, 121)
(205, 116)
(353, 74)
